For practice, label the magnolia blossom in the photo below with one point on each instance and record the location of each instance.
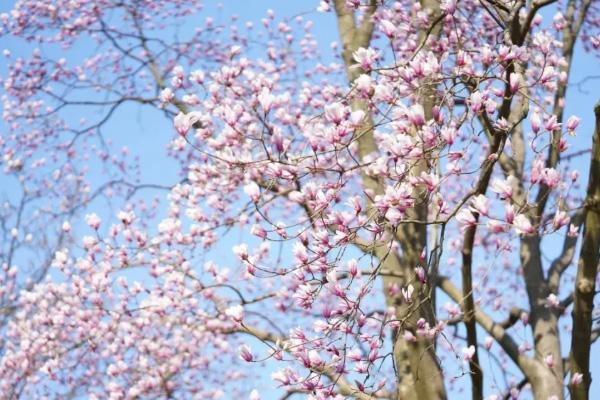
(66, 226)
(182, 123)
(496, 226)
(476, 102)
(364, 85)
(468, 353)
(93, 220)
(572, 124)
(561, 218)
(388, 28)
(324, 184)
(366, 58)
(235, 312)
(252, 190)
(576, 379)
(488, 342)
(504, 187)
(166, 95)
(552, 301)
(245, 353)
(335, 113)
(573, 231)
(407, 293)
(536, 122)
(465, 218)
(254, 395)
(480, 204)
(448, 6)
(551, 124)
(515, 82)
(416, 115)
(357, 117)
(522, 225)
(266, 99)
(550, 177)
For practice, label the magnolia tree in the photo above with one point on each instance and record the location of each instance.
(397, 205)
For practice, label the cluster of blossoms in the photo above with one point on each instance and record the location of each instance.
(353, 204)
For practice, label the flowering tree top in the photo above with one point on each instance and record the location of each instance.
(391, 201)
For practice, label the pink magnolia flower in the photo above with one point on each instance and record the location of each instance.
(480, 204)
(536, 122)
(252, 190)
(184, 122)
(490, 106)
(281, 377)
(93, 220)
(407, 293)
(524, 317)
(552, 301)
(559, 21)
(335, 112)
(266, 99)
(551, 124)
(574, 175)
(246, 353)
(524, 347)
(465, 218)
(409, 336)
(572, 124)
(259, 231)
(166, 95)
(388, 28)
(468, 353)
(476, 102)
(448, 6)
(364, 86)
(353, 267)
(536, 171)
(365, 57)
(573, 231)
(488, 342)
(515, 82)
(416, 115)
(66, 226)
(509, 212)
(576, 379)
(496, 226)
(126, 217)
(324, 6)
(421, 274)
(241, 251)
(352, 4)
(561, 218)
(373, 355)
(197, 76)
(235, 312)
(449, 134)
(550, 177)
(504, 187)
(522, 225)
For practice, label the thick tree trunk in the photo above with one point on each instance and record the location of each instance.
(419, 375)
(545, 384)
(544, 323)
(587, 271)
